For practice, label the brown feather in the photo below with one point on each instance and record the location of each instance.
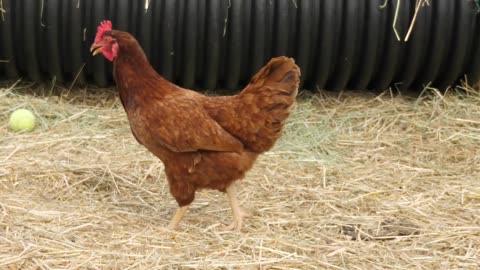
(204, 142)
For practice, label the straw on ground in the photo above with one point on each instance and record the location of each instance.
(358, 181)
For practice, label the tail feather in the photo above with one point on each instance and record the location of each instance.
(271, 92)
(257, 115)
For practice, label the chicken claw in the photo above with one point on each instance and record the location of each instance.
(177, 217)
(238, 212)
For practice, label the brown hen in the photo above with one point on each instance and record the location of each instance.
(204, 142)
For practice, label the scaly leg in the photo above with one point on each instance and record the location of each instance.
(238, 212)
(177, 217)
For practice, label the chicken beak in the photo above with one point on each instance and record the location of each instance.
(96, 49)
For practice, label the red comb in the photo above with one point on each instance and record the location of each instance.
(104, 26)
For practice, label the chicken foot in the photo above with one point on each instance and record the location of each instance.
(238, 212)
(177, 217)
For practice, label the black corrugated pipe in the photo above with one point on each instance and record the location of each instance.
(211, 44)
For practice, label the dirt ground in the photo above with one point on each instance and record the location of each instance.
(358, 181)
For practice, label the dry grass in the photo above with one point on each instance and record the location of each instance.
(358, 182)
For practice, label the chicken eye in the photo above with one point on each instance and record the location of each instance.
(107, 38)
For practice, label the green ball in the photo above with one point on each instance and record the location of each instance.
(22, 120)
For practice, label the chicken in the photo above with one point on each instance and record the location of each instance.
(203, 141)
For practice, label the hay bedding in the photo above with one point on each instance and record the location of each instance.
(358, 182)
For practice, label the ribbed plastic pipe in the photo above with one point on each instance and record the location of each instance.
(211, 44)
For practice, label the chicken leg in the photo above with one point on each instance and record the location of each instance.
(238, 212)
(177, 217)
